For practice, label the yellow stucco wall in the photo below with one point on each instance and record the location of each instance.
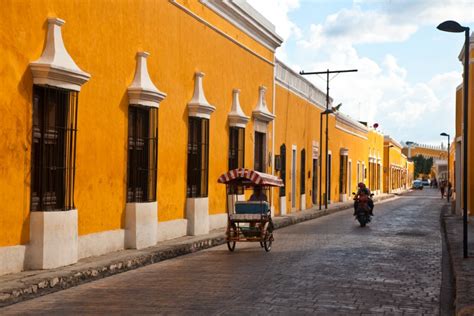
(179, 45)
(297, 123)
(358, 150)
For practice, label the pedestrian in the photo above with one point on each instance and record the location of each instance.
(450, 192)
(442, 187)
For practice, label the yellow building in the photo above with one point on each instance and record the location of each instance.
(458, 140)
(119, 144)
(395, 167)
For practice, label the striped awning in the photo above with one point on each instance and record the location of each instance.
(252, 177)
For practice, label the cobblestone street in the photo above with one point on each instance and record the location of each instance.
(327, 266)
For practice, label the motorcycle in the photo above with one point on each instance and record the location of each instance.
(362, 212)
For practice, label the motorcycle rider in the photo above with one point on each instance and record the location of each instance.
(363, 190)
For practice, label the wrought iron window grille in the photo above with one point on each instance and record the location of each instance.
(142, 154)
(53, 154)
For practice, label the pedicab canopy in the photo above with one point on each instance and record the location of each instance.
(250, 177)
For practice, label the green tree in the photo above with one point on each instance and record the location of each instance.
(419, 162)
(427, 164)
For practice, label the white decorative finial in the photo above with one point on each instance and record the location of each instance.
(56, 67)
(237, 117)
(261, 111)
(199, 106)
(142, 90)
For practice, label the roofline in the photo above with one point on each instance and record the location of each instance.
(295, 82)
(247, 19)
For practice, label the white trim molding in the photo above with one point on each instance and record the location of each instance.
(197, 214)
(172, 229)
(237, 117)
(291, 80)
(347, 120)
(199, 106)
(261, 111)
(53, 239)
(351, 132)
(141, 222)
(97, 244)
(217, 221)
(12, 259)
(247, 19)
(142, 91)
(56, 67)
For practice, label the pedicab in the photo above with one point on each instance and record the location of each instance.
(249, 221)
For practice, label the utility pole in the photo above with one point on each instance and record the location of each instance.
(327, 112)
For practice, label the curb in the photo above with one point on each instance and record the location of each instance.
(70, 276)
(463, 302)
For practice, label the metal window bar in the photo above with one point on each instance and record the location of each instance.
(198, 157)
(283, 169)
(53, 148)
(236, 154)
(142, 154)
(303, 172)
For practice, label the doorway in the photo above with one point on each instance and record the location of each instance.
(293, 179)
(314, 187)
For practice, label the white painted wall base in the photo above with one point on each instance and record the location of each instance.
(282, 205)
(53, 239)
(101, 243)
(141, 222)
(217, 221)
(197, 214)
(342, 197)
(172, 229)
(12, 259)
(302, 202)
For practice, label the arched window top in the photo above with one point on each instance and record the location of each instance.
(142, 91)
(56, 67)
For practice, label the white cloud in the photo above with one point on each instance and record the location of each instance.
(379, 92)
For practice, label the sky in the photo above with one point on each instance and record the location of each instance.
(408, 70)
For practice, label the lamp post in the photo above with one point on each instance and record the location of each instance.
(325, 112)
(327, 72)
(445, 134)
(455, 27)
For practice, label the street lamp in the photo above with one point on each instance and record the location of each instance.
(325, 112)
(455, 27)
(327, 72)
(447, 135)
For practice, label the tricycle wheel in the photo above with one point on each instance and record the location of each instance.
(268, 236)
(231, 245)
(268, 242)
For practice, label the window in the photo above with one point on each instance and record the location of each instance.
(198, 157)
(142, 154)
(236, 152)
(236, 147)
(303, 171)
(259, 151)
(283, 169)
(53, 154)
(343, 175)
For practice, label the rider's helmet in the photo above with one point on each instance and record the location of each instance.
(361, 185)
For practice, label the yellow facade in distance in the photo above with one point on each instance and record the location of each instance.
(395, 166)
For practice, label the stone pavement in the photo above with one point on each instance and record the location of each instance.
(29, 284)
(328, 266)
(463, 269)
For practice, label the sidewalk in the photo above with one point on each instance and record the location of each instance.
(29, 284)
(463, 269)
